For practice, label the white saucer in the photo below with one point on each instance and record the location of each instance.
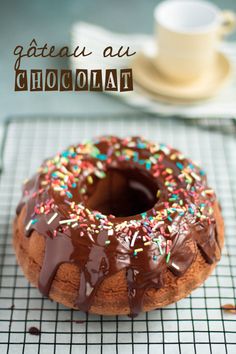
(156, 85)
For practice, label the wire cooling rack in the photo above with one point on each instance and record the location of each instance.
(197, 324)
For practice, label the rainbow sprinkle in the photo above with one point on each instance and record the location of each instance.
(184, 194)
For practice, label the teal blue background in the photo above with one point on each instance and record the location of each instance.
(50, 21)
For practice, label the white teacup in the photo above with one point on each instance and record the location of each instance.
(188, 33)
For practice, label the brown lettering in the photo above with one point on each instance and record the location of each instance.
(121, 52)
(36, 80)
(66, 80)
(111, 80)
(21, 80)
(81, 80)
(126, 80)
(96, 80)
(51, 80)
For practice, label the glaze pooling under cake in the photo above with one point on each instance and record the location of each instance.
(145, 245)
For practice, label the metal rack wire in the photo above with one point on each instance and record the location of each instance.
(197, 324)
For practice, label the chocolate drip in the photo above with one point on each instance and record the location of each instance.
(205, 236)
(100, 254)
(143, 274)
(135, 293)
(57, 251)
(94, 271)
(182, 254)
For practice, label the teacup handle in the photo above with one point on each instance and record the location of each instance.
(228, 22)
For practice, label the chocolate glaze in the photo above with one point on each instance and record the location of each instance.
(99, 254)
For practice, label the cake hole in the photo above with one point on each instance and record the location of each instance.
(123, 193)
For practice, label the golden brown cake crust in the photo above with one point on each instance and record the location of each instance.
(112, 295)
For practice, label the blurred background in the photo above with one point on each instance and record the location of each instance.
(51, 22)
